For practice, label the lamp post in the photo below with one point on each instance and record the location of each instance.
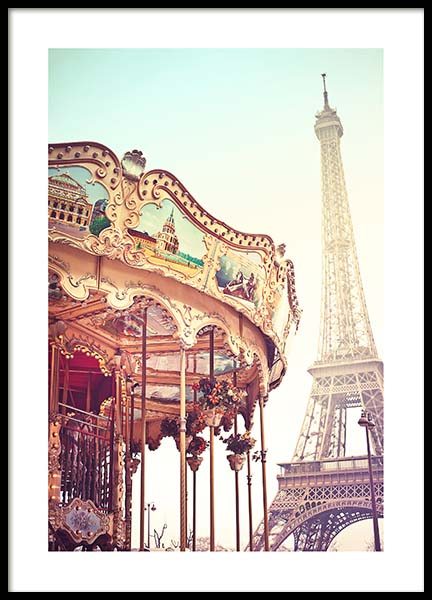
(150, 506)
(367, 422)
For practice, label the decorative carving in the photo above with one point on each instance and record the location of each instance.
(133, 163)
(100, 160)
(81, 520)
(131, 189)
(119, 524)
(54, 450)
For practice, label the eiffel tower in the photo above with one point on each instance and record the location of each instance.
(322, 491)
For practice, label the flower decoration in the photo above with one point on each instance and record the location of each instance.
(195, 421)
(170, 427)
(218, 393)
(227, 420)
(197, 445)
(239, 443)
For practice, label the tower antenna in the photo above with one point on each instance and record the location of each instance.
(326, 104)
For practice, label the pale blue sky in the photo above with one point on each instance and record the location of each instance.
(235, 126)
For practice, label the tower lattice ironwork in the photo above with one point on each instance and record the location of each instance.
(322, 491)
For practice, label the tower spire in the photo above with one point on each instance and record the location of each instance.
(326, 104)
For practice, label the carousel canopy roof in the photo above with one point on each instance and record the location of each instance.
(147, 244)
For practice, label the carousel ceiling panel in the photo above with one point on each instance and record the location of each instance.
(129, 323)
(167, 393)
(196, 363)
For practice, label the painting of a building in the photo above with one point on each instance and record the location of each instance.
(166, 236)
(167, 240)
(68, 202)
(143, 239)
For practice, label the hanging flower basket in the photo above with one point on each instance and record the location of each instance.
(213, 416)
(216, 398)
(197, 445)
(194, 462)
(238, 444)
(236, 461)
(195, 422)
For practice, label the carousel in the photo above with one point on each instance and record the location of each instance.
(163, 321)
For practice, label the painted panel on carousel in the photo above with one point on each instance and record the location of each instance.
(281, 313)
(130, 323)
(241, 277)
(167, 393)
(75, 206)
(55, 290)
(168, 238)
(196, 363)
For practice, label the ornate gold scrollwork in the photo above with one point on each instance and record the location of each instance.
(127, 196)
(54, 450)
(82, 521)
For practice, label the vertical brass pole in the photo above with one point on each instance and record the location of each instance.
(212, 515)
(186, 498)
(54, 379)
(236, 477)
(148, 525)
(194, 511)
(183, 524)
(249, 484)
(131, 431)
(195, 395)
(128, 476)
(143, 423)
(131, 445)
(237, 503)
(377, 541)
(264, 476)
(111, 461)
(98, 270)
(88, 394)
(118, 403)
(65, 382)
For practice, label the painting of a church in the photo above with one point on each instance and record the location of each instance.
(173, 235)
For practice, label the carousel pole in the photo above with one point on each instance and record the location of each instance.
(65, 381)
(143, 424)
(212, 519)
(117, 455)
(132, 411)
(88, 393)
(194, 511)
(117, 392)
(183, 515)
(249, 484)
(54, 383)
(130, 449)
(264, 476)
(236, 479)
(195, 395)
(128, 475)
